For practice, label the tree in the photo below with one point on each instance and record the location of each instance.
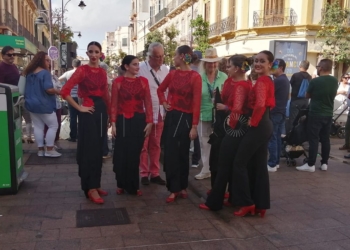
(154, 36)
(114, 59)
(201, 33)
(334, 33)
(170, 44)
(62, 34)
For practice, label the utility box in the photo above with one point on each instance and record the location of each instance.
(12, 172)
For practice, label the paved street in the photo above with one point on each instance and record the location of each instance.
(308, 211)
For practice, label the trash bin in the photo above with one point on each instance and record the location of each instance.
(12, 173)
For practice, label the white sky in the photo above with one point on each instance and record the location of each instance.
(98, 17)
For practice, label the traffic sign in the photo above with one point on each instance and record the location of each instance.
(53, 53)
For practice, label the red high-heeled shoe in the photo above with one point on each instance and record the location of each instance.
(183, 195)
(102, 192)
(204, 207)
(244, 210)
(261, 212)
(169, 199)
(139, 193)
(120, 191)
(227, 204)
(98, 200)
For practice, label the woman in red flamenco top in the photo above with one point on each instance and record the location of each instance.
(93, 116)
(235, 99)
(180, 126)
(131, 119)
(250, 179)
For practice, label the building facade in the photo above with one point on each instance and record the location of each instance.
(116, 41)
(18, 28)
(286, 27)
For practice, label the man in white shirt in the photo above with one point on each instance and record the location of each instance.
(155, 71)
(73, 113)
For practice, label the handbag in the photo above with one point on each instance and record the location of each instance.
(22, 85)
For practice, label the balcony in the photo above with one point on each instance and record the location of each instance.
(174, 4)
(274, 17)
(228, 24)
(160, 15)
(7, 20)
(214, 29)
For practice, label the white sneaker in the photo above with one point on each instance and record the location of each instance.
(52, 153)
(202, 176)
(324, 167)
(194, 165)
(271, 169)
(41, 153)
(277, 166)
(306, 168)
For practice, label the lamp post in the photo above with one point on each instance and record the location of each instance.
(82, 5)
(79, 33)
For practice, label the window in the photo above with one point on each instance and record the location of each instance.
(207, 12)
(124, 42)
(274, 7)
(218, 11)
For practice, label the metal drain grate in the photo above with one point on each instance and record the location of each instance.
(102, 217)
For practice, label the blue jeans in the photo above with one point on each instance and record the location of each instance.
(73, 116)
(275, 143)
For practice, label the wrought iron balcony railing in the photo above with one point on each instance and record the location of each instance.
(160, 15)
(8, 20)
(228, 24)
(214, 29)
(274, 17)
(174, 4)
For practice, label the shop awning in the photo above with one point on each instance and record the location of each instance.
(19, 43)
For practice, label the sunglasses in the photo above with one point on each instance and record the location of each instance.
(11, 55)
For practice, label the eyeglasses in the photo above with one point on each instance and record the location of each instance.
(11, 55)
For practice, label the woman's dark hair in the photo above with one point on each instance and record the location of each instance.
(127, 60)
(344, 76)
(269, 55)
(223, 65)
(190, 57)
(96, 44)
(238, 60)
(37, 61)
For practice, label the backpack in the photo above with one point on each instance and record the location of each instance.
(303, 88)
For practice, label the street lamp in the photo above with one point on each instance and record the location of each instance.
(79, 33)
(82, 5)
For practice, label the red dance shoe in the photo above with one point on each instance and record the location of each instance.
(244, 210)
(120, 191)
(102, 192)
(139, 193)
(204, 207)
(227, 204)
(98, 200)
(261, 212)
(169, 199)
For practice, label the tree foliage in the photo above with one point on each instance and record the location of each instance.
(170, 44)
(334, 33)
(200, 33)
(151, 37)
(115, 59)
(64, 34)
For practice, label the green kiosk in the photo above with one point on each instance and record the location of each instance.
(12, 173)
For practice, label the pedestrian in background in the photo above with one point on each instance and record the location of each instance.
(73, 113)
(278, 114)
(321, 91)
(41, 103)
(8, 70)
(180, 125)
(155, 71)
(93, 116)
(132, 119)
(212, 78)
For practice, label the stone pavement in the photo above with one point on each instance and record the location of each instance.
(308, 211)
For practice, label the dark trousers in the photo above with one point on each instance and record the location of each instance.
(275, 143)
(89, 154)
(294, 108)
(73, 120)
(318, 130)
(250, 179)
(196, 156)
(347, 131)
(105, 149)
(177, 126)
(227, 155)
(214, 158)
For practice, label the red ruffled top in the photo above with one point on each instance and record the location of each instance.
(184, 92)
(91, 82)
(129, 96)
(261, 96)
(237, 99)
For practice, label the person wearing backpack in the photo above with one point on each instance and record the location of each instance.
(321, 91)
(278, 113)
(298, 100)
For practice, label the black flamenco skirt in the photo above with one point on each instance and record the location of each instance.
(91, 131)
(127, 149)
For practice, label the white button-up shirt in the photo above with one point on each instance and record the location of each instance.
(145, 71)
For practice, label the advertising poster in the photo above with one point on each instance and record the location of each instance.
(292, 52)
